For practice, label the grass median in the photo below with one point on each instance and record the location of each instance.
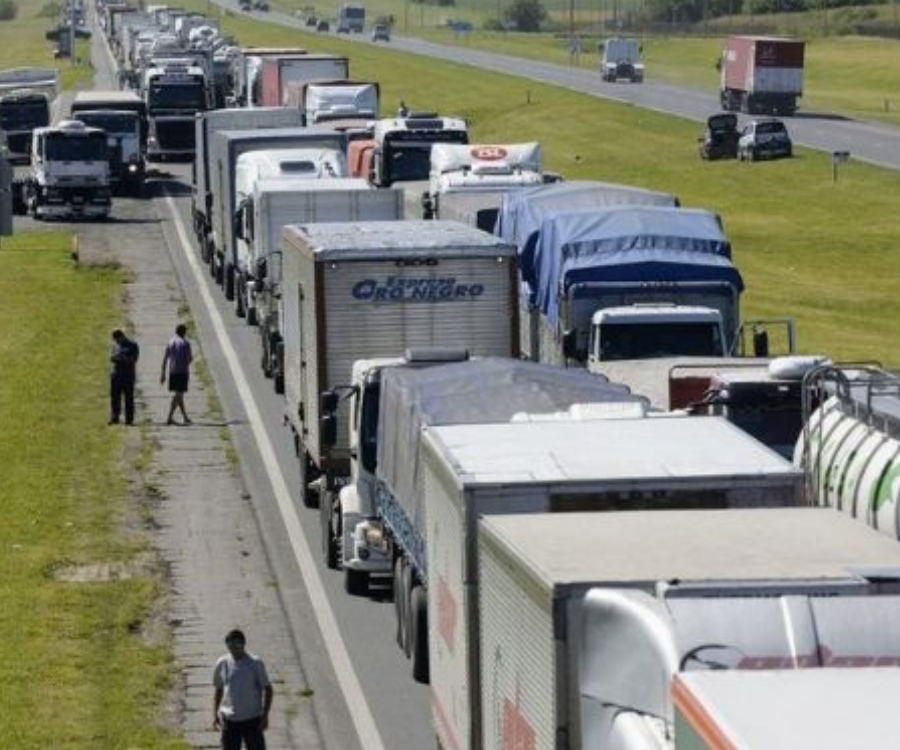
(84, 666)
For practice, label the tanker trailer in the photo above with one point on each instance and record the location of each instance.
(850, 443)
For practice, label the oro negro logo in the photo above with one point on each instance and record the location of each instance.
(394, 289)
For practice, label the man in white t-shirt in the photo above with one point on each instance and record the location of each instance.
(243, 696)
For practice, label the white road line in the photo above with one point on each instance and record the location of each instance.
(366, 729)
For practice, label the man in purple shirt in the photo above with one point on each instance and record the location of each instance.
(177, 359)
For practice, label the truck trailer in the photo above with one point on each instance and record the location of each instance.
(358, 290)
(761, 75)
(277, 73)
(615, 630)
(26, 99)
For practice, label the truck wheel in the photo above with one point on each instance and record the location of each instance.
(418, 621)
(308, 473)
(251, 316)
(356, 582)
(19, 203)
(400, 603)
(265, 359)
(279, 367)
(229, 281)
(240, 308)
(332, 541)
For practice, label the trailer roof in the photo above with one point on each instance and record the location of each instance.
(829, 709)
(630, 547)
(676, 448)
(357, 240)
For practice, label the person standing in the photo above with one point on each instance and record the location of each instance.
(243, 696)
(124, 355)
(177, 359)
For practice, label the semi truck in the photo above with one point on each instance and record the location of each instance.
(69, 173)
(123, 115)
(246, 65)
(26, 99)
(341, 103)
(432, 484)
(279, 72)
(275, 203)
(486, 171)
(665, 630)
(849, 446)
(620, 60)
(175, 92)
(225, 149)
(355, 290)
(456, 389)
(205, 126)
(761, 75)
(351, 18)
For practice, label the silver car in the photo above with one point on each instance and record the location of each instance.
(764, 139)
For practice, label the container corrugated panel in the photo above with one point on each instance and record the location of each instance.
(518, 664)
(359, 326)
(447, 627)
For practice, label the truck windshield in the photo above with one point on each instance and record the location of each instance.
(66, 147)
(114, 123)
(368, 427)
(187, 96)
(409, 157)
(15, 115)
(653, 340)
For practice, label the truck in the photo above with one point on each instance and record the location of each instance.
(761, 75)
(666, 630)
(351, 18)
(631, 282)
(400, 151)
(620, 60)
(487, 171)
(279, 72)
(849, 445)
(353, 290)
(123, 115)
(432, 484)
(69, 173)
(175, 92)
(26, 99)
(205, 126)
(246, 64)
(456, 389)
(225, 148)
(275, 203)
(341, 103)
(296, 165)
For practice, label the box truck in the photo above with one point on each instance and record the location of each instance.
(761, 75)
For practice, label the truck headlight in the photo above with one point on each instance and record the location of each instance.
(374, 536)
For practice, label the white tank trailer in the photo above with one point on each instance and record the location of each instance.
(850, 443)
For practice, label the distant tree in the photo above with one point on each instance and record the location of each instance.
(526, 15)
(8, 10)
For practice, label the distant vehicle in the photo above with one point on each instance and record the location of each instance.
(621, 61)
(312, 21)
(323, 25)
(353, 17)
(343, 27)
(381, 32)
(246, 6)
(764, 139)
(720, 139)
(261, 5)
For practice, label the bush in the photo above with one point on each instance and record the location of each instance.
(51, 10)
(8, 10)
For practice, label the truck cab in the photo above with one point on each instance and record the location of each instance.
(22, 111)
(621, 60)
(402, 151)
(126, 155)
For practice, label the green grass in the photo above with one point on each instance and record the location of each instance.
(87, 676)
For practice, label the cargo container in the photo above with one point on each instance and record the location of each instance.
(761, 75)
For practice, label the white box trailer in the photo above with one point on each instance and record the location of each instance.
(275, 203)
(207, 124)
(825, 709)
(649, 462)
(590, 622)
(225, 148)
(360, 290)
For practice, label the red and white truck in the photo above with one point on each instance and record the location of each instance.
(277, 73)
(761, 75)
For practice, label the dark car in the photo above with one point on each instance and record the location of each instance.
(765, 139)
(720, 139)
(323, 25)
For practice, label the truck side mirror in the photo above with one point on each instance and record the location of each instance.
(328, 402)
(760, 342)
(328, 430)
(569, 344)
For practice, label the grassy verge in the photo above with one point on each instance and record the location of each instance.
(76, 602)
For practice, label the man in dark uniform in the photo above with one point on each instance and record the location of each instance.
(124, 356)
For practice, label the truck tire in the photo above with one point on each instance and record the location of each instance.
(228, 281)
(252, 319)
(332, 542)
(278, 374)
(400, 603)
(308, 473)
(356, 582)
(19, 203)
(418, 622)
(265, 359)
(240, 308)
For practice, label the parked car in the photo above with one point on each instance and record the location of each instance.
(764, 139)
(381, 32)
(720, 139)
(312, 21)
(343, 27)
(323, 25)
(261, 5)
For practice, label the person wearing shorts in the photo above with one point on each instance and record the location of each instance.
(177, 362)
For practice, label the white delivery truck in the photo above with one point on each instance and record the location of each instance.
(297, 165)
(272, 205)
(476, 391)
(225, 149)
(374, 289)
(206, 125)
(614, 630)
(432, 484)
